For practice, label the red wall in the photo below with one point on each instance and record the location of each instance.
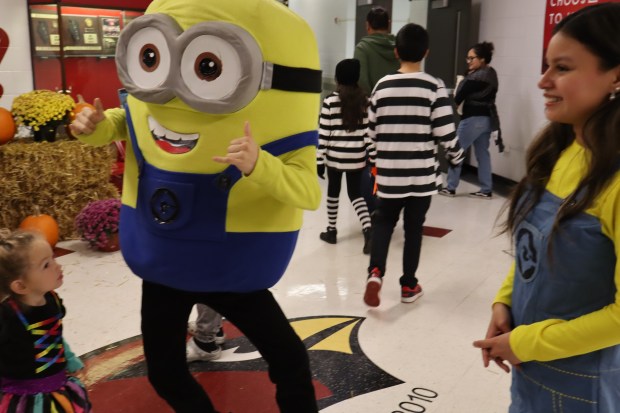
(112, 4)
(90, 77)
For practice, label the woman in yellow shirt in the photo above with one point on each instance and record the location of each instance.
(557, 315)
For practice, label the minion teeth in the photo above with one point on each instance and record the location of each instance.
(169, 141)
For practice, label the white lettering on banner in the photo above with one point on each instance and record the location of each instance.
(560, 3)
(554, 18)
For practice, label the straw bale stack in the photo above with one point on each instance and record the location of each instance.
(59, 177)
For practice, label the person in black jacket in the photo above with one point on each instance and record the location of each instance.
(477, 93)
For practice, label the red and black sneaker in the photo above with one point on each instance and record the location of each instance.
(373, 286)
(409, 295)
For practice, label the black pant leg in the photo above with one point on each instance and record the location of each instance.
(354, 179)
(164, 328)
(367, 185)
(334, 182)
(414, 216)
(260, 318)
(384, 219)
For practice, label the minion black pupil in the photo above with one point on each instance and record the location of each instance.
(149, 57)
(208, 67)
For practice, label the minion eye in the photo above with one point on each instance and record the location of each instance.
(148, 58)
(210, 67)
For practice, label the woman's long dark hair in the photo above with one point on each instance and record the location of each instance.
(354, 105)
(598, 29)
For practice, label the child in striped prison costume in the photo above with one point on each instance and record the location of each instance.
(343, 147)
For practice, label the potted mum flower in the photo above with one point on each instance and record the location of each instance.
(97, 223)
(43, 111)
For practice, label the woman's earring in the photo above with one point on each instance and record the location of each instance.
(612, 96)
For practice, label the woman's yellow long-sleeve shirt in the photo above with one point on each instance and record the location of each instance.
(555, 338)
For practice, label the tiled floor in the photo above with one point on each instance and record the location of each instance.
(426, 346)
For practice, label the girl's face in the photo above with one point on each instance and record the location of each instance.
(474, 62)
(574, 85)
(44, 274)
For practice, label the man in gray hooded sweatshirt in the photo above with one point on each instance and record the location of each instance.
(376, 50)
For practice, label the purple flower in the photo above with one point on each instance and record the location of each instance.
(98, 220)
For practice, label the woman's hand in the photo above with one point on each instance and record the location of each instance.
(242, 152)
(496, 345)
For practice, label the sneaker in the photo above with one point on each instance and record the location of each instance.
(409, 295)
(481, 195)
(447, 192)
(367, 239)
(329, 236)
(195, 353)
(192, 328)
(220, 336)
(373, 286)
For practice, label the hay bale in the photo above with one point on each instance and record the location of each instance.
(59, 177)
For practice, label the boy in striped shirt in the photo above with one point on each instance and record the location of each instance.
(409, 115)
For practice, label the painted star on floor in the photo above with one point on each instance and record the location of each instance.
(238, 382)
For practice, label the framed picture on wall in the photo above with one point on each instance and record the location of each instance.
(45, 37)
(110, 31)
(81, 35)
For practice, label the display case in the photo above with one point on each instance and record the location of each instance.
(73, 45)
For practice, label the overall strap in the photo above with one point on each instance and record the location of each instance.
(122, 95)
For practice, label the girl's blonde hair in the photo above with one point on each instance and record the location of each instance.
(14, 258)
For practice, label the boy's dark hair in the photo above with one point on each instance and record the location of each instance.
(412, 42)
(378, 18)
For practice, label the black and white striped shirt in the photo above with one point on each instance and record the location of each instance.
(409, 115)
(338, 148)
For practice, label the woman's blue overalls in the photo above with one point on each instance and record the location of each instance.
(176, 235)
(578, 279)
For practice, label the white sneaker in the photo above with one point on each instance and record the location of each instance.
(220, 336)
(195, 353)
(191, 328)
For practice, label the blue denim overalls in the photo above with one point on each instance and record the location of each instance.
(176, 235)
(578, 279)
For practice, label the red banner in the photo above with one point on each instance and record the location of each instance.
(557, 10)
(4, 46)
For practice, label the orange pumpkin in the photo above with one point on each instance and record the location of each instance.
(80, 106)
(44, 224)
(7, 126)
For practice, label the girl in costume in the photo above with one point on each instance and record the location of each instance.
(343, 143)
(557, 315)
(34, 358)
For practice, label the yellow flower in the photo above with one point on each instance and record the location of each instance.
(38, 107)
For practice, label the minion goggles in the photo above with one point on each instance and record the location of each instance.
(214, 67)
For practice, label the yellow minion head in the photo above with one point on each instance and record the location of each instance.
(196, 70)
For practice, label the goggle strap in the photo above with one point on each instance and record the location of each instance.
(291, 79)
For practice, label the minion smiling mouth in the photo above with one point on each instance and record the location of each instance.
(169, 141)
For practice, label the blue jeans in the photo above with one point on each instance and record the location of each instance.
(475, 130)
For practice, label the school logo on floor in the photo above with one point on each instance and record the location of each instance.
(238, 382)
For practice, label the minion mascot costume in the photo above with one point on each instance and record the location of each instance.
(220, 120)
